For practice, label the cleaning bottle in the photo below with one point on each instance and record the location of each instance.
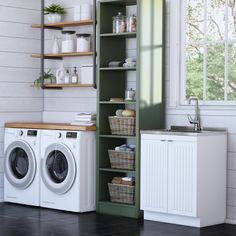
(74, 78)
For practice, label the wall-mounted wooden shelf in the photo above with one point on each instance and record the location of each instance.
(61, 55)
(68, 85)
(65, 86)
(61, 25)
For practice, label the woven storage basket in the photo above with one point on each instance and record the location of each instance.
(122, 159)
(121, 193)
(122, 125)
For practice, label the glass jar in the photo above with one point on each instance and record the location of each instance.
(83, 42)
(131, 24)
(119, 23)
(68, 41)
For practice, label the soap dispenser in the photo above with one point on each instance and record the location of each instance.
(67, 77)
(74, 78)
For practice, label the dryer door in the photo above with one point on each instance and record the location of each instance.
(58, 168)
(19, 164)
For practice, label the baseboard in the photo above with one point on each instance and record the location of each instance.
(230, 221)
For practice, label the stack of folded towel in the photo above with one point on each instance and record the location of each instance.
(130, 62)
(85, 119)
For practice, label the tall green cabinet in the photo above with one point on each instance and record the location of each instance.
(112, 82)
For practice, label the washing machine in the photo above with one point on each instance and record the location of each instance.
(21, 166)
(68, 170)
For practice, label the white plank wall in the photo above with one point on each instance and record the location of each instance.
(62, 105)
(18, 101)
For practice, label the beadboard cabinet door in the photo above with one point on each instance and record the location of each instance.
(182, 179)
(154, 163)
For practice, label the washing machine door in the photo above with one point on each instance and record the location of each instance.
(58, 168)
(20, 164)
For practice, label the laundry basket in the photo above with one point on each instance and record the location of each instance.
(122, 125)
(122, 159)
(122, 193)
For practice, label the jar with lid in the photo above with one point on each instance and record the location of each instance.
(131, 23)
(119, 23)
(68, 41)
(83, 42)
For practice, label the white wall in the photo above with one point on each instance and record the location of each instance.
(62, 105)
(18, 101)
(210, 116)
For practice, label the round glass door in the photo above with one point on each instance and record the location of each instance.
(58, 168)
(20, 164)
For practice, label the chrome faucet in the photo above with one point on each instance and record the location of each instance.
(196, 121)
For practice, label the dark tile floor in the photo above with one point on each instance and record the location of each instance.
(17, 220)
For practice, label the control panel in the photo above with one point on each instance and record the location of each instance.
(71, 134)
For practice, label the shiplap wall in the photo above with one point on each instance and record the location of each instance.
(18, 101)
(62, 105)
(210, 117)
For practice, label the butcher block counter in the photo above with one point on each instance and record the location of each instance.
(50, 126)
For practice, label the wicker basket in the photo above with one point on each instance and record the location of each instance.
(122, 125)
(122, 193)
(122, 159)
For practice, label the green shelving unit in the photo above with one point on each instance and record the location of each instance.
(112, 82)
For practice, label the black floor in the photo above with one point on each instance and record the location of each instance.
(17, 220)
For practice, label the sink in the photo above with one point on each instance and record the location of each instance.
(186, 130)
(189, 129)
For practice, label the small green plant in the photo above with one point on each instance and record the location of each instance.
(54, 9)
(48, 78)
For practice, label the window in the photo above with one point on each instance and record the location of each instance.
(209, 50)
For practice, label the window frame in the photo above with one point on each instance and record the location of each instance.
(177, 97)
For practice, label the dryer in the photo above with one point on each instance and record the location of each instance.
(68, 170)
(21, 166)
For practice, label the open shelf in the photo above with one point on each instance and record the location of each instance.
(120, 2)
(68, 85)
(119, 68)
(119, 209)
(116, 136)
(60, 25)
(120, 35)
(117, 170)
(61, 55)
(112, 103)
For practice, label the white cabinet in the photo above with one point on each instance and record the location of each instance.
(154, 176)
(181, 177)
(182, 163)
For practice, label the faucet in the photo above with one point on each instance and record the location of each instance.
(196, 121)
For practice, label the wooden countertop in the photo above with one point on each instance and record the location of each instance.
(50, 126)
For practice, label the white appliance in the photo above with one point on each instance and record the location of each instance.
(21, 166)
(68, 170)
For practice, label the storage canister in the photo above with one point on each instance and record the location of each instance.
(83, 42)
(85, 11)
(131, 23)
(119, 23)
(68, 43)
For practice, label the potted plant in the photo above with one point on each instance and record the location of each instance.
(54, 13)
(48, 78)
